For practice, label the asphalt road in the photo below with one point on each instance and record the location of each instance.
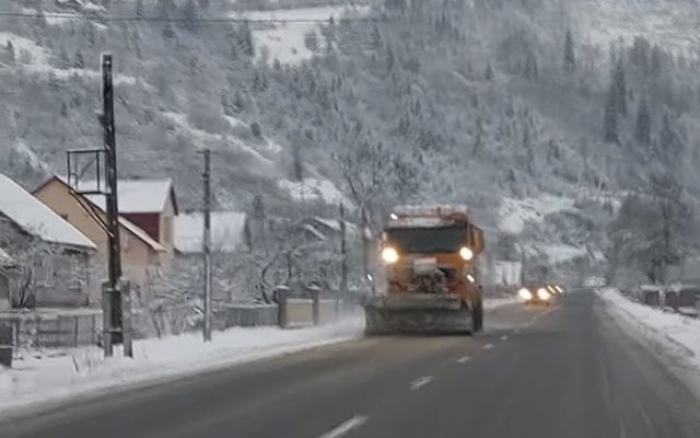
(565, 371)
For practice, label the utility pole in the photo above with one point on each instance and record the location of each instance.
(207, 244)
(113, 326)
(342, 292)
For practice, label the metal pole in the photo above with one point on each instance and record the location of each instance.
(342, 292)
(114, 334)
(207, 245)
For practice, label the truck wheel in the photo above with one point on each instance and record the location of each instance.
(478, 314)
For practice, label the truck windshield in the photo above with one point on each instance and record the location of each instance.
(427, 240)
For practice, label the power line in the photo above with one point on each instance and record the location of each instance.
(122, 19)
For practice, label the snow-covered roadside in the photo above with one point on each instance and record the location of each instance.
(679, 334)
(53, 376)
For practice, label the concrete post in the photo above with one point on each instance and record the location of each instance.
(315, 306)
(107, 320)
(282, 296)
(127, 335)
(6, 337)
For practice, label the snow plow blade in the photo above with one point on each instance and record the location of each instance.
(417, 314)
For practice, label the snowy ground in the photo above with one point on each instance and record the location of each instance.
(285, 40)
(312, 189)
(515, 213)
(54, 375)
(680, 334)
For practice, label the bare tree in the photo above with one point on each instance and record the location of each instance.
(651, 233)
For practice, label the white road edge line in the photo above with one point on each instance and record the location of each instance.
(422, 381)
(488, 346)
(463, 359)
(353, 423)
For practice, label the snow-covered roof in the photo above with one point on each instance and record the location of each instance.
(141, 234)
(226, 231)
(135, 195)
(37, 219)
(129, 226)
(333, 224)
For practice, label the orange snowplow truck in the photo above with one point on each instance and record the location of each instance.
(431, 279)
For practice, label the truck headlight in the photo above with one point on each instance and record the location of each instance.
(543, 294)
(390, 255)
(466, 253)
(525, 294)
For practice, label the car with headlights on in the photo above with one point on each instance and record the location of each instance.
(536, 294)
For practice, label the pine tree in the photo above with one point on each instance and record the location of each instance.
(10, 49)
(620, 89)
(256, 130)
(610, 129)
(569, 55)
(311, 40)
(670, 142)
(656, 64)
(478, 138)
(297, 162)
(376, 41)
(488, 74)
(166, 9)
(168, 31)
(140, 14)
(191, 16)
(225, 104)
(79, 61)
(63, 59)
(245, 40)
(642, 128)
(390, 59)
(238, 102)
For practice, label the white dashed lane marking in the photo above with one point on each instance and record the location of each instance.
(420, 382)
(344, 428)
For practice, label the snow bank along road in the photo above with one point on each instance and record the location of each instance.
(565, 371)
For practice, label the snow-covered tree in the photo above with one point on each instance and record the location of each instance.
(245, 39)
(79, 62)
(619, 89)
(569, 54)
(642, 127)
(610, 119)
(10, 56)
(670, 142)
(311, 40)
(139, 11)
(190, 15)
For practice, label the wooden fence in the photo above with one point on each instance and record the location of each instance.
(54, 329)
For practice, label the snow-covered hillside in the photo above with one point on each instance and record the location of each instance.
(672, 23)
(286, 37)
(459, 102)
